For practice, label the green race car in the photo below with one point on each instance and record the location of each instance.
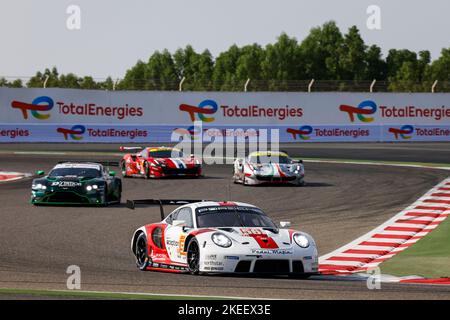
(77, 182)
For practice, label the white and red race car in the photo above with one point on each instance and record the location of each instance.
(159, 162)
(221, 237)
(268, 167)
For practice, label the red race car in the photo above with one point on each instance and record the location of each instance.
(159, 162)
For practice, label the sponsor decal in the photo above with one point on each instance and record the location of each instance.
(231, 257)
(272, 251)
(432, 132)
(41, 106)
(303, 132)
(172, 243)
(65, 184)
(437, 113)
(76, 132)
(204, 108)
(364, 109)
(337, 132)
(181, 242)
(404, 132)
(191, 132)
(38, 105)
(248, 232)
(208, 107)
(211, 257)
(213, 263)
(15, 133)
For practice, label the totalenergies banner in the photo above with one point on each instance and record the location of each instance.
(69, 115)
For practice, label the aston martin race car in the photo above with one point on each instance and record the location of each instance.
(221, 237)
(77, 182)
(159, 162)
(268, 167)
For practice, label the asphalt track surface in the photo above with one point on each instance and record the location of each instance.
(340, 203)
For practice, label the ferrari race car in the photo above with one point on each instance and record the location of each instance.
(159, 162)
(77, 182)
(266, 167)
(221, 237)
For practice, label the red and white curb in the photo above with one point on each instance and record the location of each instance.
(392, 237)
(12, 176)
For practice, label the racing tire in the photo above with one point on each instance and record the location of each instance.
(123, 167)
(141, 252)
(301, 183)
(105, 197)
(302, 276)
(119, 193)
(193, 257)
(146, 170)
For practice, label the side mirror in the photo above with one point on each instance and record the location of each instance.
(112, 173)
(40, 173)
(285, 224)
(179, 223)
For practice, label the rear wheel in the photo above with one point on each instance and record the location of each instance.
(146, 170)
(193, 256)
(123, 167)
(141, 252)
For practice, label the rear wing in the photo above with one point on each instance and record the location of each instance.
(131, 204)
(103, 163)
(121, 148)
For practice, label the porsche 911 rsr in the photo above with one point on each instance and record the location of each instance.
(266, 167)
(159, 162)
(76, 182)
(222, 237)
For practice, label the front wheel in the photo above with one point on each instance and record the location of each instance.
(123, 166)
(193, 256)
(141, 252)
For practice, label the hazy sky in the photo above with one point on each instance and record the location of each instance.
(114, 34)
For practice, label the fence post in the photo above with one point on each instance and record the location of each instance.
(115, 84)
(434, 86)
(45, 81)
(246, 84)
(180, 86)
(310, 85)
(372, 85)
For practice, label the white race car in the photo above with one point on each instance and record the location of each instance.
(267, 167)
(221, 237)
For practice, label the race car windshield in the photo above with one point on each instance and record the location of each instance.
(76, 172)
(233, 216)
(270, 159)
(166, 154)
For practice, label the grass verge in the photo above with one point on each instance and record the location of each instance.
(429, 257)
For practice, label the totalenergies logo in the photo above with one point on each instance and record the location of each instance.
(206, 107)
(191, 132)
(404, 132)
(303, 132)
(76, 132)
(40, 104)
(365, 108)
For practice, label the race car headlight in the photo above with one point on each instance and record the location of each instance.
(221, 240)
(301, 240)
(93, 187)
